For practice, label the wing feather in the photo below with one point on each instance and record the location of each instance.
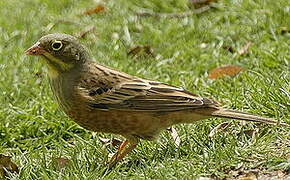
(144, 95)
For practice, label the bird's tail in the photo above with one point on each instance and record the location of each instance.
(226, 113)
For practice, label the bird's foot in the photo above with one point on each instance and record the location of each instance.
(121, 153)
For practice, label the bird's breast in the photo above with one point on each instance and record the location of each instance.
(63, 91)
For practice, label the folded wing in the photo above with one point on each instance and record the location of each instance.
(144, 95)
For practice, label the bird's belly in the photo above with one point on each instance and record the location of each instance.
(144, 125)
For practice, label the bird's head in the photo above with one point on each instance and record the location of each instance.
(61, 52)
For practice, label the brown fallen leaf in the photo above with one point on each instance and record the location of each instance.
(220, 127)
(6, 165)
(99, 8)
(175, 136)
(228, 70)
(245, 49)
(140, 50)
(61, 162)
(86, 31)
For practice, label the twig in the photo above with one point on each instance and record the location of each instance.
(87, 30)
(63, 21)
(174, 15)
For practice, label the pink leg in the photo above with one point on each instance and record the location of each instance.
(121, 153)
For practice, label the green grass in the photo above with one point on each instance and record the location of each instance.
(35, 132)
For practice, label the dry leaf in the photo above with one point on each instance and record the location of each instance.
(140, 50)
(99, 8)
(220, 127)
(175, 136)
(86, 31)
(229, 70)
(6, 165)
(61, 162)
(245, 49)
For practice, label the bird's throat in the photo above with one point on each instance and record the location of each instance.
(55, 66)
(52, 72)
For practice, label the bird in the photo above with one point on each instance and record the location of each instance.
(102, 99)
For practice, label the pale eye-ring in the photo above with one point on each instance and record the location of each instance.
(56, 45)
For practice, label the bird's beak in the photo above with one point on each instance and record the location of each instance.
(35, 50)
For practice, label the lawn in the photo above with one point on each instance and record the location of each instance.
(38, 135)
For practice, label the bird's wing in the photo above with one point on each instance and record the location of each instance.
(143, 95)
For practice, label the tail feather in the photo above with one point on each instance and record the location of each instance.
(226, 113)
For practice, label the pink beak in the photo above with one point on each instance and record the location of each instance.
(35, 50)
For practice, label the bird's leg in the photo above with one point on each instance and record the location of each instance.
(121, 152)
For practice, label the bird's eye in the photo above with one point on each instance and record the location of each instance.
(56, 45)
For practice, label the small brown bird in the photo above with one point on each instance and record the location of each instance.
(104, 100)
